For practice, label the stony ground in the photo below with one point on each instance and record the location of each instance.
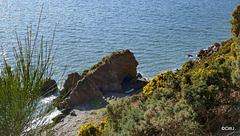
(92, 110)
(72, 123)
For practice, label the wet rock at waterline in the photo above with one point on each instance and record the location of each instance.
(70, 83)
(211, 50)
(49, 87)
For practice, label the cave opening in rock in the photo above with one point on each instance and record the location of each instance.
(126, 83)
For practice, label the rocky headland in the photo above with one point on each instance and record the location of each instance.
(116, 73)
(86, 95)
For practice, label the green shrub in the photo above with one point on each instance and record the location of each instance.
(163, 80)
(21, 84)
(235, 29)
(235, 21)
(187, 66)
(186, 79)
(155, 116)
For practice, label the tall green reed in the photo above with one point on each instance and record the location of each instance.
(21, 83)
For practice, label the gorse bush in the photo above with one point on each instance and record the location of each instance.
(92, 130)
(187, 66)
(211, 75)
(165, 79)
(156, 82)
(21, 84)
(103, 125)
(155, 116)
(89, 130)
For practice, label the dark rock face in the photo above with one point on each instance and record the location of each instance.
(70, 83)
(211, 50)
(135, 83)
(106, 76)
(49, 87)
(140, 83)
(85, 89)
(110, 75)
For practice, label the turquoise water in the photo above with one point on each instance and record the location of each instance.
(159, 32)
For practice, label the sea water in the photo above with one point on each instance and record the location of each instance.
(160, 33)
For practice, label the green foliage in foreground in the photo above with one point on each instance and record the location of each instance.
(20, 86)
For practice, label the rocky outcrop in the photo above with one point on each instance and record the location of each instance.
(70, 83)
(118, 68)
(211, 50)
(84, 89)
(49, 87)
(109, 75)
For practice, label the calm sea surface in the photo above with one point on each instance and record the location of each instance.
(159, 32)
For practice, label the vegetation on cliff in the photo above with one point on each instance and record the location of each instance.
(104, 59)
(199, 99)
